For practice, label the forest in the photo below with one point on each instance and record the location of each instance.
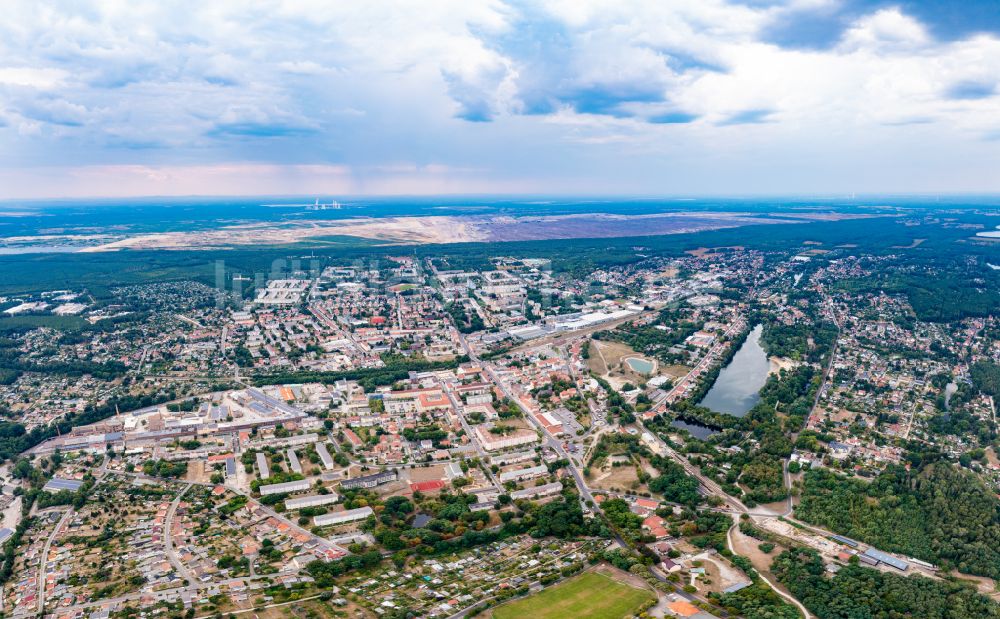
(857, 592)
(985, 376)
(936, 512)
(793, 341)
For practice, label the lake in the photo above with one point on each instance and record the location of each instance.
(735, 390)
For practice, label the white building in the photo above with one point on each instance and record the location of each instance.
(293, 461)
(313, 500)
(349, 515)
(538, 491)
(522, 474)
(493, 442)
(262, 467)
(289, 486)
(324, 455)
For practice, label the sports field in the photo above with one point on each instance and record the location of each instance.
(588, 596)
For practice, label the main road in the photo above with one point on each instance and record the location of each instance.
(549, 440)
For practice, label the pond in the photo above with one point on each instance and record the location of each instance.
(695, 429)
(735, 390)
(640, 365)
(949, 390)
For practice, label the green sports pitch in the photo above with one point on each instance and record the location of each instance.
(590, 596)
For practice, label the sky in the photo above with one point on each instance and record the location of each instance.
(657, 97)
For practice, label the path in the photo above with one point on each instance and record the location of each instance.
(729, 543)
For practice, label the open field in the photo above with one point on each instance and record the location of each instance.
(616, 478)
(590, 596)
(609, 360)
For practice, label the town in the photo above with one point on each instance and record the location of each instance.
(412, 437)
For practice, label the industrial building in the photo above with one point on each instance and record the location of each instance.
(56, 484)
(882, 557)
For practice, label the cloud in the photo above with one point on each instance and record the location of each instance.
(971, 90)
(562, 93)
(258, 130)
(40, 77)
(673, 118)
(886, 30)
(56, 112)
(748, 117)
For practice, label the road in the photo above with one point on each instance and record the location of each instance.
(190, 321)
(44, 560)
(169, 538)
(552, 442)
(598, 417)
(711, 487)
(457, 406)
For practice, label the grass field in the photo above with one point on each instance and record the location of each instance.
(588, 596)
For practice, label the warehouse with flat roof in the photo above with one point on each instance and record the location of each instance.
(883, 557)
(56, 484)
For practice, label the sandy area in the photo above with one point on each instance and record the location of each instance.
(781, 363)
(445, 229)
(430, 473)
(913, 243)
(197, 472)
(675, 371)
(701, 252)
(12, 515)
(720, 572)
(434, 229)
(617, 478)
(608, 360)
(991, 457)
